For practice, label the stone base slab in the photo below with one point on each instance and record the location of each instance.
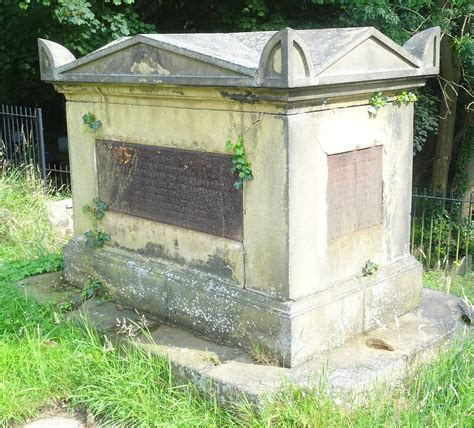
(348, 371)
(215, 307)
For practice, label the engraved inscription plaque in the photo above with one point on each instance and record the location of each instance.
(354, 191)
(184, 188)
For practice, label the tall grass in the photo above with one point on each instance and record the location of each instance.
(28, 233)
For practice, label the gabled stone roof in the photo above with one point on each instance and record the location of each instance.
(283, 59)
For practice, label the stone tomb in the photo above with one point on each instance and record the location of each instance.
(281, 263)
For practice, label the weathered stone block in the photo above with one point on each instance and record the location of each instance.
(281, 262)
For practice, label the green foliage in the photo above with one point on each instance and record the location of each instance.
(370, 268)
(91, 122)
(442, 234)
(426, 119)
(80, 25)
(377, 101)
(450, 282)
(464, 151)
(12, 271)
(241, 168)
(96, 237)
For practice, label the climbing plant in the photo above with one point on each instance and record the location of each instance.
(92, 123)
(241, 168)
(97, 236)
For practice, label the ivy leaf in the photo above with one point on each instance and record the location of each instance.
(96, 124)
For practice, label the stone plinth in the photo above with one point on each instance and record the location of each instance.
(281, 263)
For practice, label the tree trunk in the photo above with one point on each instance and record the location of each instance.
(450, 70)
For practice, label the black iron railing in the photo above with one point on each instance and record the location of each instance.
(22, 143)
(442, 230)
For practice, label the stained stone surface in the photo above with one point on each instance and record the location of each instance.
(60, 217)
(276, 276)
(350, 370)
(180, 187)
(288, 58)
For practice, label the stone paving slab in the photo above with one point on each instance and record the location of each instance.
(349, 370)
(104, 316)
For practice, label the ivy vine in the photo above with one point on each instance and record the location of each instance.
(97, 236)
(91, 122)
(242, 169)
(379, 100)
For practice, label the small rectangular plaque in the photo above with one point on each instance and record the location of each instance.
(354, 191)
(184, 188)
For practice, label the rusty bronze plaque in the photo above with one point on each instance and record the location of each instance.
(184, 188)
(354, 191)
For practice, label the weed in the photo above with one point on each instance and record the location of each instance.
(211, 358)
(261, 356)
(377, 101)
(129, 328)
(95, 289)
(370, 268)
(67, 306)
(406, 97)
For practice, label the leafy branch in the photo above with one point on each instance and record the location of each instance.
(241, 168)
(96, 237)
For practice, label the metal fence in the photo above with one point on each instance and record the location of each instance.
(442, 230)
(22, 143)
(21, 136)
(58, 177)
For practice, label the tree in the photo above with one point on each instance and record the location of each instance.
(80, 25)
